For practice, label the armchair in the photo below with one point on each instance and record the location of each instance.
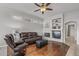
(17, 47)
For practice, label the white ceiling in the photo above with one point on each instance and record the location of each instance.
(30, 7)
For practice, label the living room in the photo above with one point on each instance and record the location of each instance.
(23, 22)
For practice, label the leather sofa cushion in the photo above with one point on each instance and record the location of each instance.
(23, 34)
(28, 34)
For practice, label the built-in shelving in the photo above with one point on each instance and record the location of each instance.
(54, 27)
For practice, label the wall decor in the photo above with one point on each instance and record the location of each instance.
(56, 23)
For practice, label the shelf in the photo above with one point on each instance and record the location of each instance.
(56, 29)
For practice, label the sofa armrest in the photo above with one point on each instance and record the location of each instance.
(20, 47)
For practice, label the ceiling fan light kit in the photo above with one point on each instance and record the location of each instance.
(43, 7)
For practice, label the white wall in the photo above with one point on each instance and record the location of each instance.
(8, 24)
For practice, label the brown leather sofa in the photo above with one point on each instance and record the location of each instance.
(30, 37)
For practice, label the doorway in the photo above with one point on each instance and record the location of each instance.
(70, 32)
(71, 36)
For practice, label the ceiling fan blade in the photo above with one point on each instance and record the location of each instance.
(48, 4)
(37, 4)
(36, 10)
(49, 9)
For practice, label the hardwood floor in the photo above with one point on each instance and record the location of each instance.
(52, 49)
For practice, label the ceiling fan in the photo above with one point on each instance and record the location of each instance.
(43, 7)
